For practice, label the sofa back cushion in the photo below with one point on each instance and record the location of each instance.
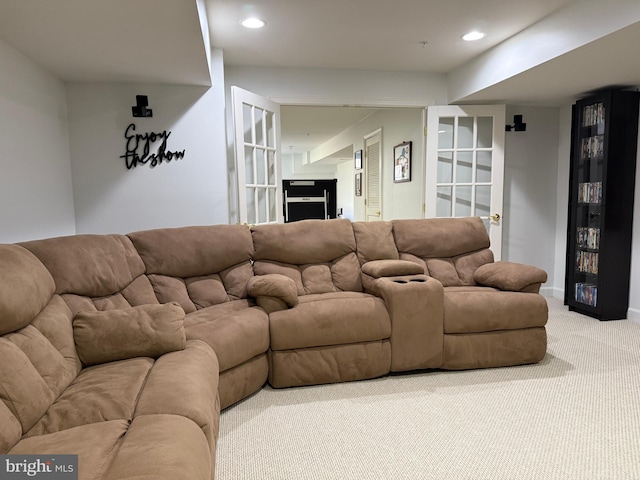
(95, 272)
(319, 255)
(374, 241)
(38, 359)
(197, 266)
(25, 288)
(449, 249)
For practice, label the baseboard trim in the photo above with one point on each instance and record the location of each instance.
(633, 314)
(553, 292)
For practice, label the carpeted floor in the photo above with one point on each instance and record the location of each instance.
(575, 415)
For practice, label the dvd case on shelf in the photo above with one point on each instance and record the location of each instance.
(590, 192)
(587, 293)
(588, 237)
(593, 147)
(593, 115)
(587, 262)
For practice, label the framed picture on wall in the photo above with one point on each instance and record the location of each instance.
(357, 157)
(402, 162)
(358, 184)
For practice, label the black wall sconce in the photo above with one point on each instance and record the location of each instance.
(518, 125)
(140, 109)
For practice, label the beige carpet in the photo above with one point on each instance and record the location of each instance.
(576, 415)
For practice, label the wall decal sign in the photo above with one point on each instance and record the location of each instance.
(139, 146)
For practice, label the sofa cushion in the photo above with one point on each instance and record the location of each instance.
(330, 319)
(440, 237)
(11, 430)
(197, 266)
(342, 274)
(193, 251)
(25, 287)
(37, 363)
(142, 331)
(374, 241)
(100, 393)
(90, 265)
(237, 331)
(444, 270)
(202, 291)
(467, 264)
(304, 242)
(22, 388)
(95, 444)
(391, 268)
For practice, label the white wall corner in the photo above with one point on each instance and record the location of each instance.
(204, 28)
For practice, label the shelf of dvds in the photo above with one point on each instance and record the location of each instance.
(601, 190)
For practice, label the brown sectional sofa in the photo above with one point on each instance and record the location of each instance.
(116, 399)
(123, 348)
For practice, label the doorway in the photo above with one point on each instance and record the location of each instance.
(373, 170)
(346, 130)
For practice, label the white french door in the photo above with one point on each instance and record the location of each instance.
(465, 165)
(256, 123)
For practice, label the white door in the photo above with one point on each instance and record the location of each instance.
(256, 123)
(465, 165)
(373, 177)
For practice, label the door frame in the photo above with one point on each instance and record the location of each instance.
(335, 101)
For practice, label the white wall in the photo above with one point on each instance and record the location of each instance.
(530, 189)
(562, 196)
(295, 166)
(191, 191)
(323, 86)
(35, 172)
(346, 191)
(399, 200)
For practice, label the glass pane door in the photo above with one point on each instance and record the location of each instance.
(256, 121)
(465, 161)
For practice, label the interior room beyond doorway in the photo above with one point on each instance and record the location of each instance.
(319, 142)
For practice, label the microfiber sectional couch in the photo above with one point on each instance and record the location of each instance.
(124, 348)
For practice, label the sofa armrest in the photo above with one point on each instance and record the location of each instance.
(416, 308)
(391, 268)
(510, 276)
(273, 292)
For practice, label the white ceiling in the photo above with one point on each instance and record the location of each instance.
(368, 34)
(110, 41)
(165, 41)
(304, 128)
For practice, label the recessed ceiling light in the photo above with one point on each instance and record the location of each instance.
(253, 23)
(473, 36)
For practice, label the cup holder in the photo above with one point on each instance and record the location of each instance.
(419, 280)
(400, 281)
